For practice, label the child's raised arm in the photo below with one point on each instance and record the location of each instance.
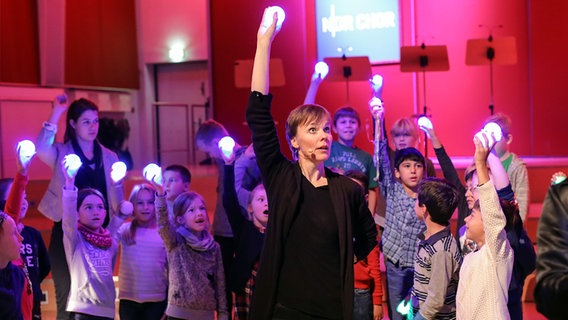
(491, 213)
(69, 201)
(16, 194)
(313, 88)
(166, 227)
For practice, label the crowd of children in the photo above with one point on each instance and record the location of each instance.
(289, 239)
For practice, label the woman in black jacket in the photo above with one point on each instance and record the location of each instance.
(319, 221)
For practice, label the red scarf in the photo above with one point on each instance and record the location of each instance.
(100, 238)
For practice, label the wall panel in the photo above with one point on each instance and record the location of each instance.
(19, 42)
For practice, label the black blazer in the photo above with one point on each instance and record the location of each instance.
(283, 180)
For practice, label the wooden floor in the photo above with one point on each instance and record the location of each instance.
(529, 313)
(204, 181)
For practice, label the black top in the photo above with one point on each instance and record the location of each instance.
(451, 174)
(12, 280)
(92, 174)
(248, 239)
(34, 254)
(283, 182)
(551, 291)
(309, 281)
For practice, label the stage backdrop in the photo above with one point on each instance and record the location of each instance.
(531, 91)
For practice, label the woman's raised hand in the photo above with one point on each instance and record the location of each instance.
(267, 29)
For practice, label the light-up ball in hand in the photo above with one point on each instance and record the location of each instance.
(269, 15)
(425, 123)
(377, 81)
(126, 208)
(227, 145)
(489, 141)
(495, 129)
(153, 172)
(322, 69)
(376, 105)
(72, 163)
(26, 148)
(118, 171)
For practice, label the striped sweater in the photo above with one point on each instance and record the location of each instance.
(436, 274)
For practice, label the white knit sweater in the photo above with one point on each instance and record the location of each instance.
(486, 273)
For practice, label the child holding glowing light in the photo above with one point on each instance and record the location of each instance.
(249, 236)
(209, 136)
(33, 252)
(81, 128)
(405, 134)
(90, 249)
(485, 273)
(143, 267)
(514, 166)
(319, 221)
(399, 186)
(195, 267)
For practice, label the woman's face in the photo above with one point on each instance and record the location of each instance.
(87, 125)
(313, 141)
(10, 240)
(92, 212)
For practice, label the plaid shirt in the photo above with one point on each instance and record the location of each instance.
(402, 227)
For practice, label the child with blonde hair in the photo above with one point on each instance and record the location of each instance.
(143, 268)
(405, 134)
(196, 278)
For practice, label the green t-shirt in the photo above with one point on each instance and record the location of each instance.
(347, 158)
(507, 162)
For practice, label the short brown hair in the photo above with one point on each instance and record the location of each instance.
(346, 112)
(183, 201)
(301, 115)
(210, 130)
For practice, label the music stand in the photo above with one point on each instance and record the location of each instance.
(348, 69)
(491, 51)
(422, 59)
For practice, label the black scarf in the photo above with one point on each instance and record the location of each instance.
(92, 172)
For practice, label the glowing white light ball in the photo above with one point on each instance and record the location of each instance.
(268, 16)
(118, 171)
(227, 144)
(494, 128)
(322, 69)
(153, 172)
(26, 148)
(489, 142)
(73, 163)
(424, 122)
(377, 80)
